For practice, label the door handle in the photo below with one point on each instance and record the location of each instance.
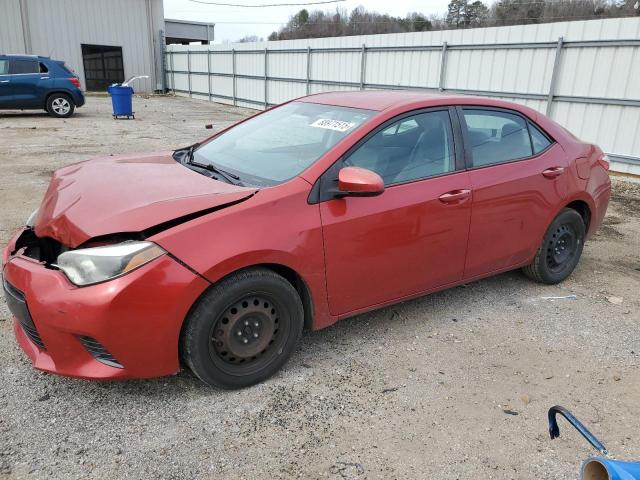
(455, 196)
(44, 78)
(553, 172)
(4, 81)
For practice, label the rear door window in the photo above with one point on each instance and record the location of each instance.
(43, 68)
(4, 67)
(20, 67)
(496, 136)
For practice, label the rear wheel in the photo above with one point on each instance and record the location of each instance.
(560, 250)
(243, 329)
(60, 105)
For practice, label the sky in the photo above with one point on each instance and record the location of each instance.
(233, 23)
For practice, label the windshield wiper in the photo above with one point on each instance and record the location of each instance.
(228, 176)
(232, 178)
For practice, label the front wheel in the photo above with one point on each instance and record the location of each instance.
(243, 329)
(560, 250)
(60, 105)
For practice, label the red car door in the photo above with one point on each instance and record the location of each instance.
(413, 237)
(519, 183)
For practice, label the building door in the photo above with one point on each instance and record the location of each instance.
(102, 66)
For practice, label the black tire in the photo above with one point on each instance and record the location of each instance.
(560, 250)
(60, 105)
(243, 329)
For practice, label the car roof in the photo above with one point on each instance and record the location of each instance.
(381, 99)
(22, 56)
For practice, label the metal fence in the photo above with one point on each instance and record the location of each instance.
(561, 78)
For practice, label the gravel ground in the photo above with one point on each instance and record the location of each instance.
(418, 390)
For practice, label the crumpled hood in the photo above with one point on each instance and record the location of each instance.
(126, 193)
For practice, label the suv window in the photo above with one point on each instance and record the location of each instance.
(415, 147)
(43, 68)
(496, 137)
(4, 67)
(23, 66)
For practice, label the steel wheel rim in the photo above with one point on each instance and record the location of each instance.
(562, 247)
(240, 347)
(61, 106)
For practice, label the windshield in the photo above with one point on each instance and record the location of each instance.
(281, 143)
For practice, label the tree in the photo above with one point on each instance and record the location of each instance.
(455, 13)
(475, 13)
(518, 12)
(301, 17)
(250, 38)
(461, 13)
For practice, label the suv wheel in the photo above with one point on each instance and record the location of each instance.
(243, 329)
(60, 105)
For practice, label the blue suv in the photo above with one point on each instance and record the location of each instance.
(30, 82)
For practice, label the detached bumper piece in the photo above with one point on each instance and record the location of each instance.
(99, 352)
(18, 307)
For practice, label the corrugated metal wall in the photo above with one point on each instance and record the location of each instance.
(595, 88)
(58, 28)
(11, 36)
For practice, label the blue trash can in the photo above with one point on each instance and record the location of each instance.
(121, 100)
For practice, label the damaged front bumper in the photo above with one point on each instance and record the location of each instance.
(128, 327)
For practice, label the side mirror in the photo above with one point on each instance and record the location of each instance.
(359, 182)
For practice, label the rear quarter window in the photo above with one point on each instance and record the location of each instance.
(539, 140)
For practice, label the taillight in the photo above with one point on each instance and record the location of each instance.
(75, 81)
(603, 161)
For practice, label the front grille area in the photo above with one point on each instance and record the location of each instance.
(18, 307)
(97, 351)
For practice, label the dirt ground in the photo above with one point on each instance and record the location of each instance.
(455, 385)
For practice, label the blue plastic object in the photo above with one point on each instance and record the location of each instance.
(121, 101)
(597, 468)
(594, 468)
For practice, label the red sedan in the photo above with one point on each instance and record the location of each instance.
(216, 256)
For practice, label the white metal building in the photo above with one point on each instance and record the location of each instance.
(102, 41)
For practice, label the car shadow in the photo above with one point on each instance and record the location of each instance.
(345, 334)
(20, 114)
(35, 114)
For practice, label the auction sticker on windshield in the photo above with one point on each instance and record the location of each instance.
(333, 124)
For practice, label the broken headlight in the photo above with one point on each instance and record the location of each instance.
(87, 266)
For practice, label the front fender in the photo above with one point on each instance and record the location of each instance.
(276, 226)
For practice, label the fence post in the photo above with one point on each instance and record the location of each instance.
(233, 66)
(363, 65)
(443, 66)
(266, 76)
(173, 74)
(554, 75)
(189, 71)
(163, 63)
(208, 66)
(308, 70)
